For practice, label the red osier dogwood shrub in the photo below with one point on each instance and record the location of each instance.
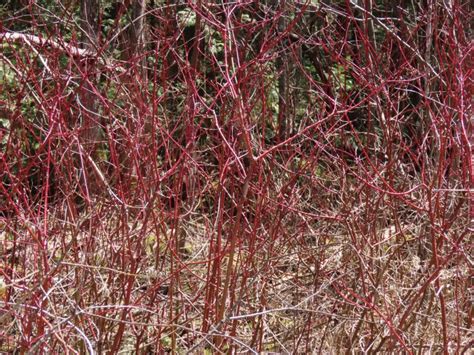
(247, 176)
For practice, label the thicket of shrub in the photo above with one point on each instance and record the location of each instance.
(279, 176)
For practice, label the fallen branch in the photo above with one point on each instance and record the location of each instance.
(28, 39)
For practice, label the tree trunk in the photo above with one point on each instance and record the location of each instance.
(88, 105)
(133, 42)
(283, 71)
